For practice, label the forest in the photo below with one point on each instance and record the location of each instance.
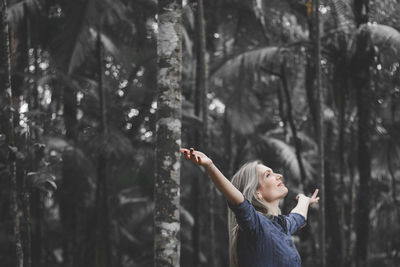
(98, 96)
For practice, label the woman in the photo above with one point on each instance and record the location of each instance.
(258, 235)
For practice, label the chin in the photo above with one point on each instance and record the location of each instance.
(285, 192)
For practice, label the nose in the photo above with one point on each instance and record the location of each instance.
(278, 176)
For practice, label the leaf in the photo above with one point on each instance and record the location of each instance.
(185, 214)
(43, 180)
(342, 14)
(269, 57)
(73, 45)
(16, 12)
(52, 184)
(284, 154)
(13, 149)
(114, 145)
(386, 38)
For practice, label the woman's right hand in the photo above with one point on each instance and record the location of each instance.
(197, 157)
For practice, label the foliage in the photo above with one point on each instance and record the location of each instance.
(248, 118)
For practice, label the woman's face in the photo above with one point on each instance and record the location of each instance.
(270, 185)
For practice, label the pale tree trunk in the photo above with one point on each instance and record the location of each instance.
(8, 129)
(167, 173)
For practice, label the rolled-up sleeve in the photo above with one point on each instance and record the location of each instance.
(295, 221)
(247, 217)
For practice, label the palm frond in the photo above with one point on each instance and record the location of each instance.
(187, 42)
(113, 11)
(284, 155)
(72, 45)
(16, 11)
(115, 145)
(268, 57)
(386, 38)
(107, 43)
(243, 119)
(342, 14)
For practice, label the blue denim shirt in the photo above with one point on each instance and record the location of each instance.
(264, 242)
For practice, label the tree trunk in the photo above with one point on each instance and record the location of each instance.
(332, 224)
(102, 245)
(167, 173)
(320, 131)
(361, 62)
(202, 87)
(297, 142)
(281, 106)
(7, 129)
(30, 148)
(67, 190)
(310, 77)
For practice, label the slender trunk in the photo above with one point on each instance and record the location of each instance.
(342, 110)
(227, 144)
(364, 169)
(5, 84)
(297, 142)
(320, 131)
(36, 198)
(202, 86)
(29, 147)
(196, 192)
(361, 61)
(352, 197)
(332, 224)
(281, 111)
(102, 249)
(67, 188)
(28, 230)
(167, 173)
(310, 77)
(389, 159)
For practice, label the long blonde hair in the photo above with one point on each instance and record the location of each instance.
(246, 181)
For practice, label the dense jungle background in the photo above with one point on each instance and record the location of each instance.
(80, 112)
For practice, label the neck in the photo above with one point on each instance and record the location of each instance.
(273, 207)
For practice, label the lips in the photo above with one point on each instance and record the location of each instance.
(280, 184)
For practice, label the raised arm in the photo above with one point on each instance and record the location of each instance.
(230, 192)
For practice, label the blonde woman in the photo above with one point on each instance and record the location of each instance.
(259, 236)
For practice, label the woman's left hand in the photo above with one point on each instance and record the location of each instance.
(312, 200)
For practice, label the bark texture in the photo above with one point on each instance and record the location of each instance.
(167, 174)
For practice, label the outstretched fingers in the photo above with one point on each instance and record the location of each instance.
(315, 193)
(190, 154)
(314, 198)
